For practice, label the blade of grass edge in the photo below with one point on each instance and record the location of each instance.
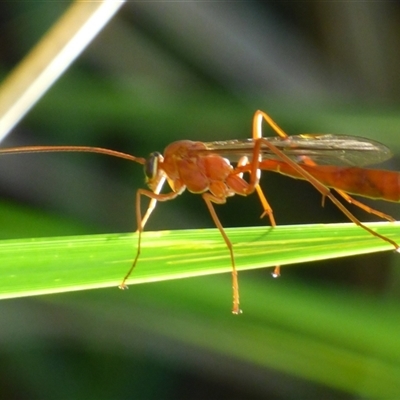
(60, 264)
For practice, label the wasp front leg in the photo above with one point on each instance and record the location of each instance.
(140, 224)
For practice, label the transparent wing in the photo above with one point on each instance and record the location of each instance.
(323, 149)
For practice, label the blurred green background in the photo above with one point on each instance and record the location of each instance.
(160, 72)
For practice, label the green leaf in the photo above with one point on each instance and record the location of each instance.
(61, 264)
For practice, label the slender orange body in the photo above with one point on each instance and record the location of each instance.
(372, 183)
(201, 168)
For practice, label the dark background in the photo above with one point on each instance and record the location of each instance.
(160, 72)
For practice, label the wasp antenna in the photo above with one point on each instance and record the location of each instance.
(65, 149)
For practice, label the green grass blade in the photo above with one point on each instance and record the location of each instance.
(61, 264)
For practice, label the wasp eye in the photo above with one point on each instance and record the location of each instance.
(151, 166)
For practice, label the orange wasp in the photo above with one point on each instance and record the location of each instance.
(326, 161)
